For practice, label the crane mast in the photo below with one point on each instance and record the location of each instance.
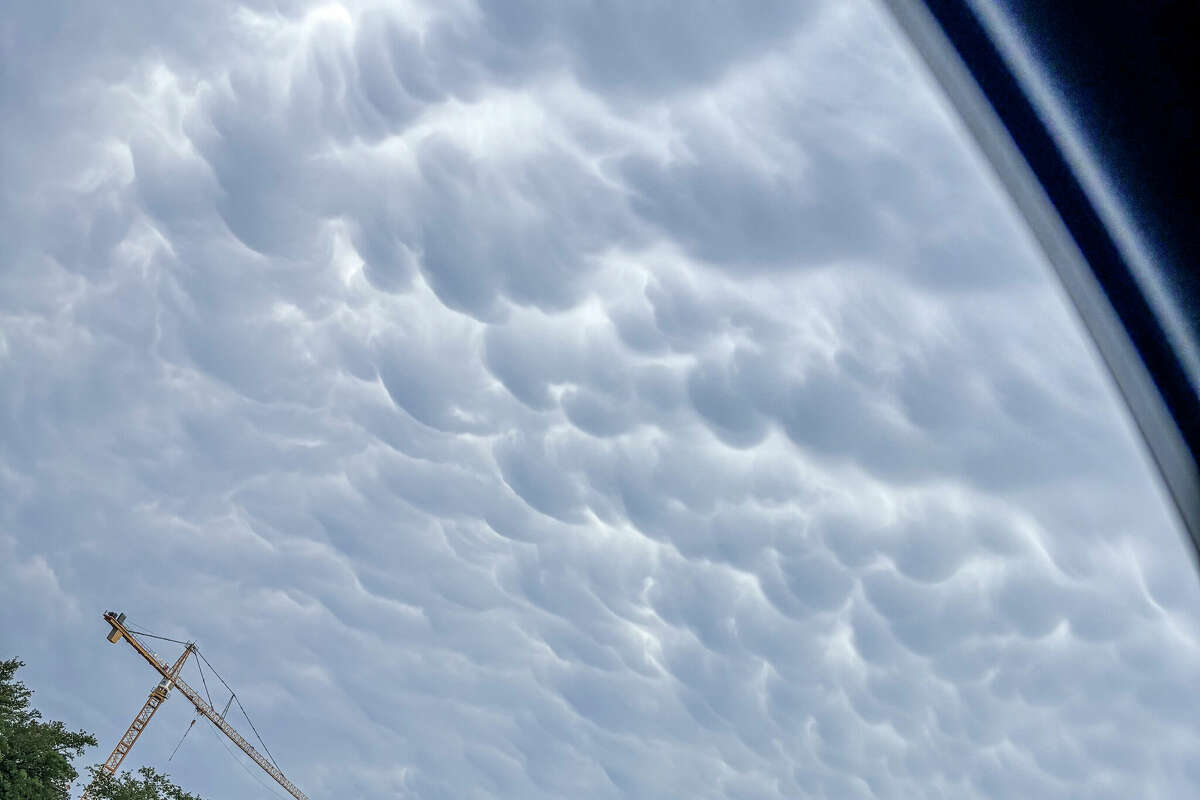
(171, 680)
(157, 696)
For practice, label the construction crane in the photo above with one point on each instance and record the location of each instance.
(170, 680)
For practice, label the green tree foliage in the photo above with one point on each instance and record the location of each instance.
(35, 756)
(149, 784)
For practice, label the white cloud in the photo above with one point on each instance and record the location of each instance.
(545, 402)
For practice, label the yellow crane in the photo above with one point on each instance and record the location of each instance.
(170, 680)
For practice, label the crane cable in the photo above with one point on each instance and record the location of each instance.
(185, 733)
(204, 682)
(156, 636)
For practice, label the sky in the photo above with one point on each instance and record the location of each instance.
(563, 399)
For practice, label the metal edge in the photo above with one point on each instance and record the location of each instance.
(1161, 435)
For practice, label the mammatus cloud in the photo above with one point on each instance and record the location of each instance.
(523, 401)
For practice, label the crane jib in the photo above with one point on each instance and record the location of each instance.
(204, 708)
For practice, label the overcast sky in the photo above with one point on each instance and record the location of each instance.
(562, 400)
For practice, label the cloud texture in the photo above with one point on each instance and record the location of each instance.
(542, 400)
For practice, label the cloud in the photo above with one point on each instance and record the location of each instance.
(579, 400)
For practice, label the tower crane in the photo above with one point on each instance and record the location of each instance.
(170, 680)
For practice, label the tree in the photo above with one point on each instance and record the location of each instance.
(150, 785)
(35, 756)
